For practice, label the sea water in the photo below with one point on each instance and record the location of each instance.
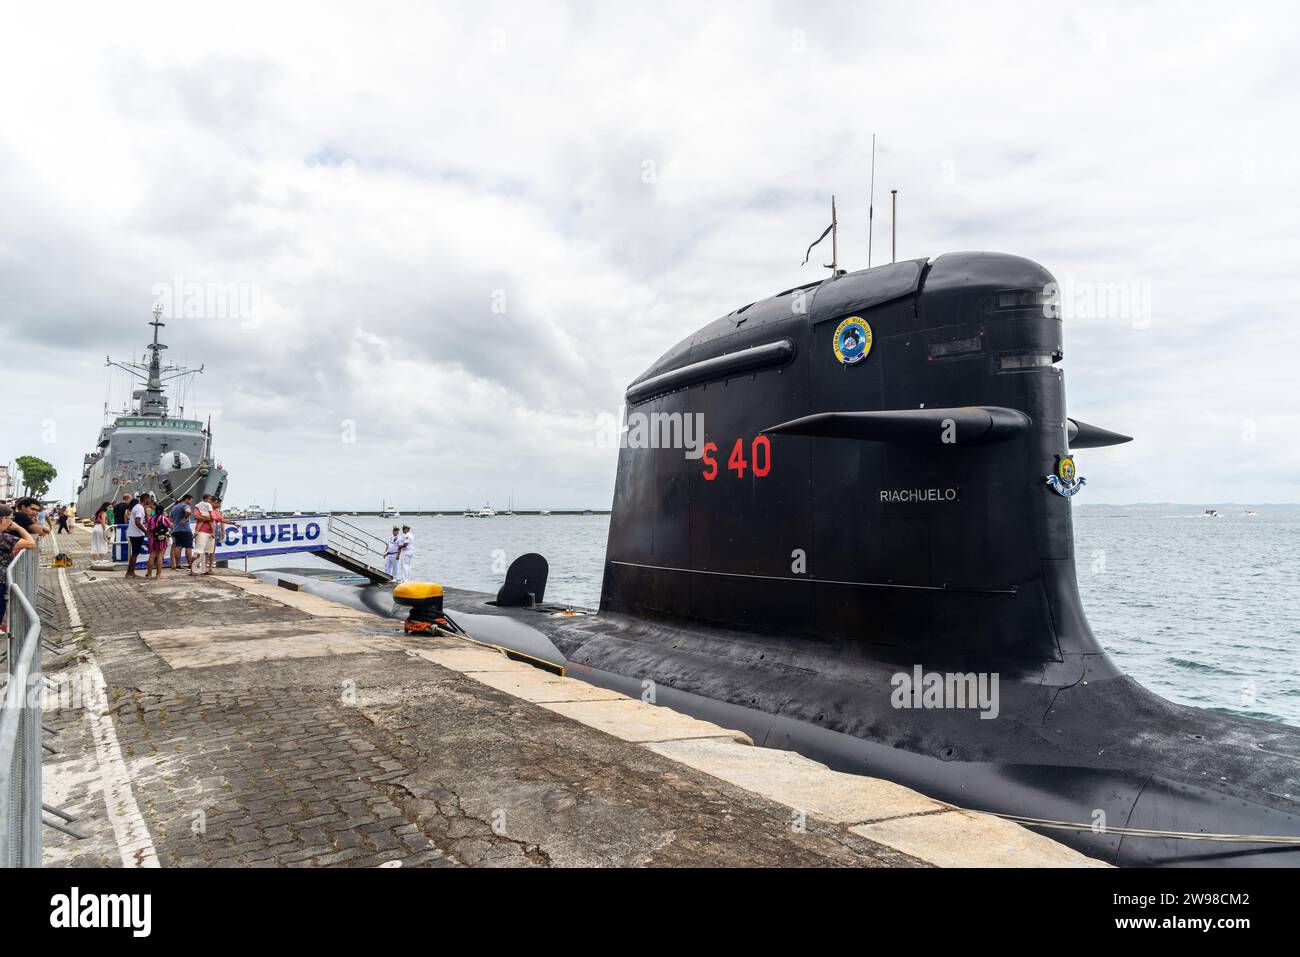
(1204, 611)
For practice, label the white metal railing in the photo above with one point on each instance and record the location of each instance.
(354, 542)
(20, 720)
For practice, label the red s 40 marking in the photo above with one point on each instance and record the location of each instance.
(759, 461)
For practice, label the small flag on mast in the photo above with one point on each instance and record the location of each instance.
(829, 231)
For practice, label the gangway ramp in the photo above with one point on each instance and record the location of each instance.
(355, 549)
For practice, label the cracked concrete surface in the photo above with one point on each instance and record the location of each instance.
(277, 733)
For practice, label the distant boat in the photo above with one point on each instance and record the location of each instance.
(487, 511)
(254, 511)
(545, 511)
(387, 511)
(1211, 513)
(1249, 513)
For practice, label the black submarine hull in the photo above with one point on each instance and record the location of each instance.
(1080, 764)
(1069, 757)
(835, 501)
(889, 494)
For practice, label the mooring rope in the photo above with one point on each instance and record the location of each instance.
(1150, 832)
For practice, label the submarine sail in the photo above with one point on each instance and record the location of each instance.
(908, 516)
(865, 553)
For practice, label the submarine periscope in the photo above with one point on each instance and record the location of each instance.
(868, 557)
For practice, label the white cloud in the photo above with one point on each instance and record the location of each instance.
(380, 178)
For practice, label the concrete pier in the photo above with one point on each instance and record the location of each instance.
(222, 721)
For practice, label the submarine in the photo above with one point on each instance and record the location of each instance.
(866, 555)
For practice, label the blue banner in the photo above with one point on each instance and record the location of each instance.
(248, 537)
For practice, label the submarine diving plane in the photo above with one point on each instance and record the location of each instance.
(870, 560)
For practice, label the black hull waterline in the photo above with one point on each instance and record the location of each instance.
(1049, 757)
(880, 494)
(1062, 756)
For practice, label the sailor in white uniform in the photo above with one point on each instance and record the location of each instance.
(408, 551)
(390, 554)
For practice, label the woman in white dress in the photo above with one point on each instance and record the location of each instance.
(99, 535)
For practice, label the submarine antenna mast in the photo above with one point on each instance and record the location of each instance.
(871, 200)
(893, 226)
(834, 267)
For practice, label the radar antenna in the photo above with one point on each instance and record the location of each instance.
(152, 401)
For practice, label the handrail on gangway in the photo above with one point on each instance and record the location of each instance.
(355, 549)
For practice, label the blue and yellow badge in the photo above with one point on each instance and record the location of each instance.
(852, 340)
(1065, 479)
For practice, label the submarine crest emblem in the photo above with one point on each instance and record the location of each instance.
(1065, 479)
(852, 340)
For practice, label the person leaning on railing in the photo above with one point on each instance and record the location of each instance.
(13, 539)
(25, 514)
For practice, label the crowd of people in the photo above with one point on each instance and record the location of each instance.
(399, 553)
(187, 530)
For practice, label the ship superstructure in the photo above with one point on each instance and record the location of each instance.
(146, 448)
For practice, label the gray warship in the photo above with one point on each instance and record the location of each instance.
(146, 449)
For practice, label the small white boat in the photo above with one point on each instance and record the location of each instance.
(1249, 513)
(487, 511)
(1210, 513)
(545, 511)
(387, 511)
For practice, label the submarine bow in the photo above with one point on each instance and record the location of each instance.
(842, 523)
(883, 488)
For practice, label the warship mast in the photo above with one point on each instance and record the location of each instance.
(152, 400)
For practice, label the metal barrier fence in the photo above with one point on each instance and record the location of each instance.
(20, 720)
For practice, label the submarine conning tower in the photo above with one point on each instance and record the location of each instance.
(880, 462)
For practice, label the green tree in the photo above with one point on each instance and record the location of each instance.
(37, 474)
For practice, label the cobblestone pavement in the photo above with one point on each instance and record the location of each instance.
(302, 739)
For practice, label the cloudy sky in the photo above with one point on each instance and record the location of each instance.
(464, 228)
